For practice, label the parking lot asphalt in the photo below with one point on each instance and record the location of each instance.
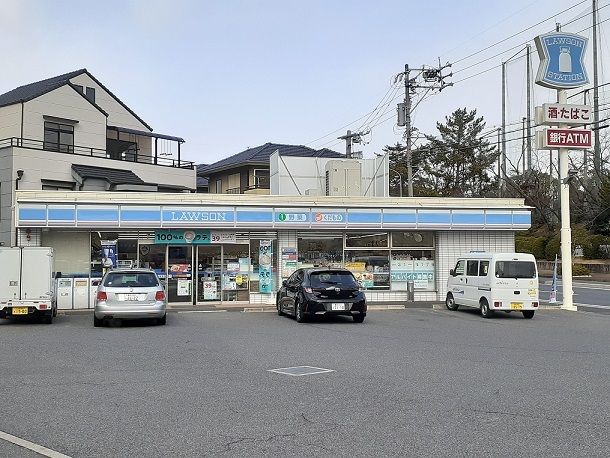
(409, 382)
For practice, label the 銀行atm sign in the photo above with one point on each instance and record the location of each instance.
(565, 138)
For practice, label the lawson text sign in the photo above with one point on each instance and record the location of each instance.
(561, 60)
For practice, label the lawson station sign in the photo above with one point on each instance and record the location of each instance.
(561, 60)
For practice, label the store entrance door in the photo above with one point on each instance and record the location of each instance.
(180, 274)
(209, 263)
(236, 272)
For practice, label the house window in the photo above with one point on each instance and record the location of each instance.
(218, 186)
(79, 88)
(58, 137)
(51, 185)
(90, 94)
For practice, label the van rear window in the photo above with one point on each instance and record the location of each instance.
(515, 269)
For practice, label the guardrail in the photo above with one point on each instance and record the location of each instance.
(127, 156)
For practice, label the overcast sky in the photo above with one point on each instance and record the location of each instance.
(226, 74)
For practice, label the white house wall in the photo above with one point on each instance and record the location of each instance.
(7, 177)
(10, 121)
(65, 102)
(118, 115)
(47, 165)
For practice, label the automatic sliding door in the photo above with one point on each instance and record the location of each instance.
(208, 273)
(235, 272)
(180, 274)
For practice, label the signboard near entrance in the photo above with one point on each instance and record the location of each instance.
(194, 237)
(265, 266)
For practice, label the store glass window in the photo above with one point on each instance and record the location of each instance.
(370, 267)
(366, 240)
(320, 252)
(412, 239)
(413, 265)
(153, 257)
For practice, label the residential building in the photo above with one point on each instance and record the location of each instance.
(247, 172)
(71, 133)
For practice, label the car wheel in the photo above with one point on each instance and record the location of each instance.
(358, 318)
(299, 314)
(486, 312)
(47, 319)
(278, 306)
(450, 302)
(161, 321)
(55, 311)
(97, 322)
(528, 314)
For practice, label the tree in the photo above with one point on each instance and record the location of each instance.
(459, 162)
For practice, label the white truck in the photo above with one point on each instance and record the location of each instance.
(27, 283)
(490, 282)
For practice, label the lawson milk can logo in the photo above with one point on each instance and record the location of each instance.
(561, 60)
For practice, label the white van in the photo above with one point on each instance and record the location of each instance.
(494, 282)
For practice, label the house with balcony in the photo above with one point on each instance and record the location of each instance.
(247, 172)
(71, 133)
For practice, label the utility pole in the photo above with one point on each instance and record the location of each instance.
(351, 138)
(586, 152)
(433, 79)
(523, 147)
(597, 155)
(503, 126)
(499, 164)
(408, 130)
(529, 108)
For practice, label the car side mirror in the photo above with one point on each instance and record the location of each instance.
(452, 273)
(284, 283)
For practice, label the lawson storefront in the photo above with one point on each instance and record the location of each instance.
(224, 248)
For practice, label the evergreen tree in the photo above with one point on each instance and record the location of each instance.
(458, 162)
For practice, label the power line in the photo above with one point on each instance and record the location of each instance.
(518, 33)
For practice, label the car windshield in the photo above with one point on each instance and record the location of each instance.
(131, 279)
(325, 279)
(515, 269)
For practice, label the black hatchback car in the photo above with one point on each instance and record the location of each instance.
(321, 292)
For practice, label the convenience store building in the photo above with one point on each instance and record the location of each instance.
(221, 248)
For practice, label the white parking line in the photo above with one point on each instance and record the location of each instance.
(203, 311)
(595, 306)
(31, 446)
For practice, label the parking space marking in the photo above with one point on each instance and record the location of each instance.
(31, 446)
(299, 371)
(595, 306)
(202, 311)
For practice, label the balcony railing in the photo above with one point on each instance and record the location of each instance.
(260, 182)
(128, 156)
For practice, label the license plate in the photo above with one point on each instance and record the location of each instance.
(516, 305)
(132, 297)
(338, 306)
(20, 310)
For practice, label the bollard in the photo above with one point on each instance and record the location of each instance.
(410, 291)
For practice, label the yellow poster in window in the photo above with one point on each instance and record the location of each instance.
(355, 266)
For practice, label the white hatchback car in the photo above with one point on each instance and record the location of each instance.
(130, 294)
(494, 282)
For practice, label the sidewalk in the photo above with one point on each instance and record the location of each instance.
(268, 307)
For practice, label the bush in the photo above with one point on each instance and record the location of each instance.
(531, 244)
(553, 247)
(578, 270)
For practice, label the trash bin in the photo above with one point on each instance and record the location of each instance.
(410, 291)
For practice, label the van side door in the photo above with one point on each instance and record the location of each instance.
(471, 287)
(456, 282)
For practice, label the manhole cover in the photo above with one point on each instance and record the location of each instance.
(298, 371)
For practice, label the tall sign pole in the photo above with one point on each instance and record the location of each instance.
(562, 68)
